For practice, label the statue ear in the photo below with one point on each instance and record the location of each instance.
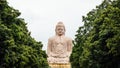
(64, 29)
(55, 29)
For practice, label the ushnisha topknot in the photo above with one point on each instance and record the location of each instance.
(60, 23)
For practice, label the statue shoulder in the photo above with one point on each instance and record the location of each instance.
(69, 39)
(51, 38)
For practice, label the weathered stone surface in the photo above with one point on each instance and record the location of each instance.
(59, 48)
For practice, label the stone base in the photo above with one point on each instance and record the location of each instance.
(56, 65)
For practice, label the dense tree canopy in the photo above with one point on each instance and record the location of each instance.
(17, 48)
(97, 42)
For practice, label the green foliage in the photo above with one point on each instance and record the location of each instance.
(97, 41)
(17, 48)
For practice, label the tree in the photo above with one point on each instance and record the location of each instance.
(17, 48)
(101, 36)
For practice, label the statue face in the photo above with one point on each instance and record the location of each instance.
(60, 30)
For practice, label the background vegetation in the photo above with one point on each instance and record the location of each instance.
(17, 48)
(97, 42)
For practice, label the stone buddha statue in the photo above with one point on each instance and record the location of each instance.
(59, 46)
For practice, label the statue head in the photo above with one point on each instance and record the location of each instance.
(60, 29)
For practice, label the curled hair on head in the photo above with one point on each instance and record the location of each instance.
(60, 24)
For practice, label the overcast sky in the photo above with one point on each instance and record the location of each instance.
(43, 15)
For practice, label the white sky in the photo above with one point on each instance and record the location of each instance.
(43, 15)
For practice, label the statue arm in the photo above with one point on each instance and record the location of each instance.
(69, 47)
(49, 47)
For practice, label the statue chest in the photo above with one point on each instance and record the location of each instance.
(59, 45)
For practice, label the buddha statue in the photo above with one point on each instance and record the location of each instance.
(59, 46)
